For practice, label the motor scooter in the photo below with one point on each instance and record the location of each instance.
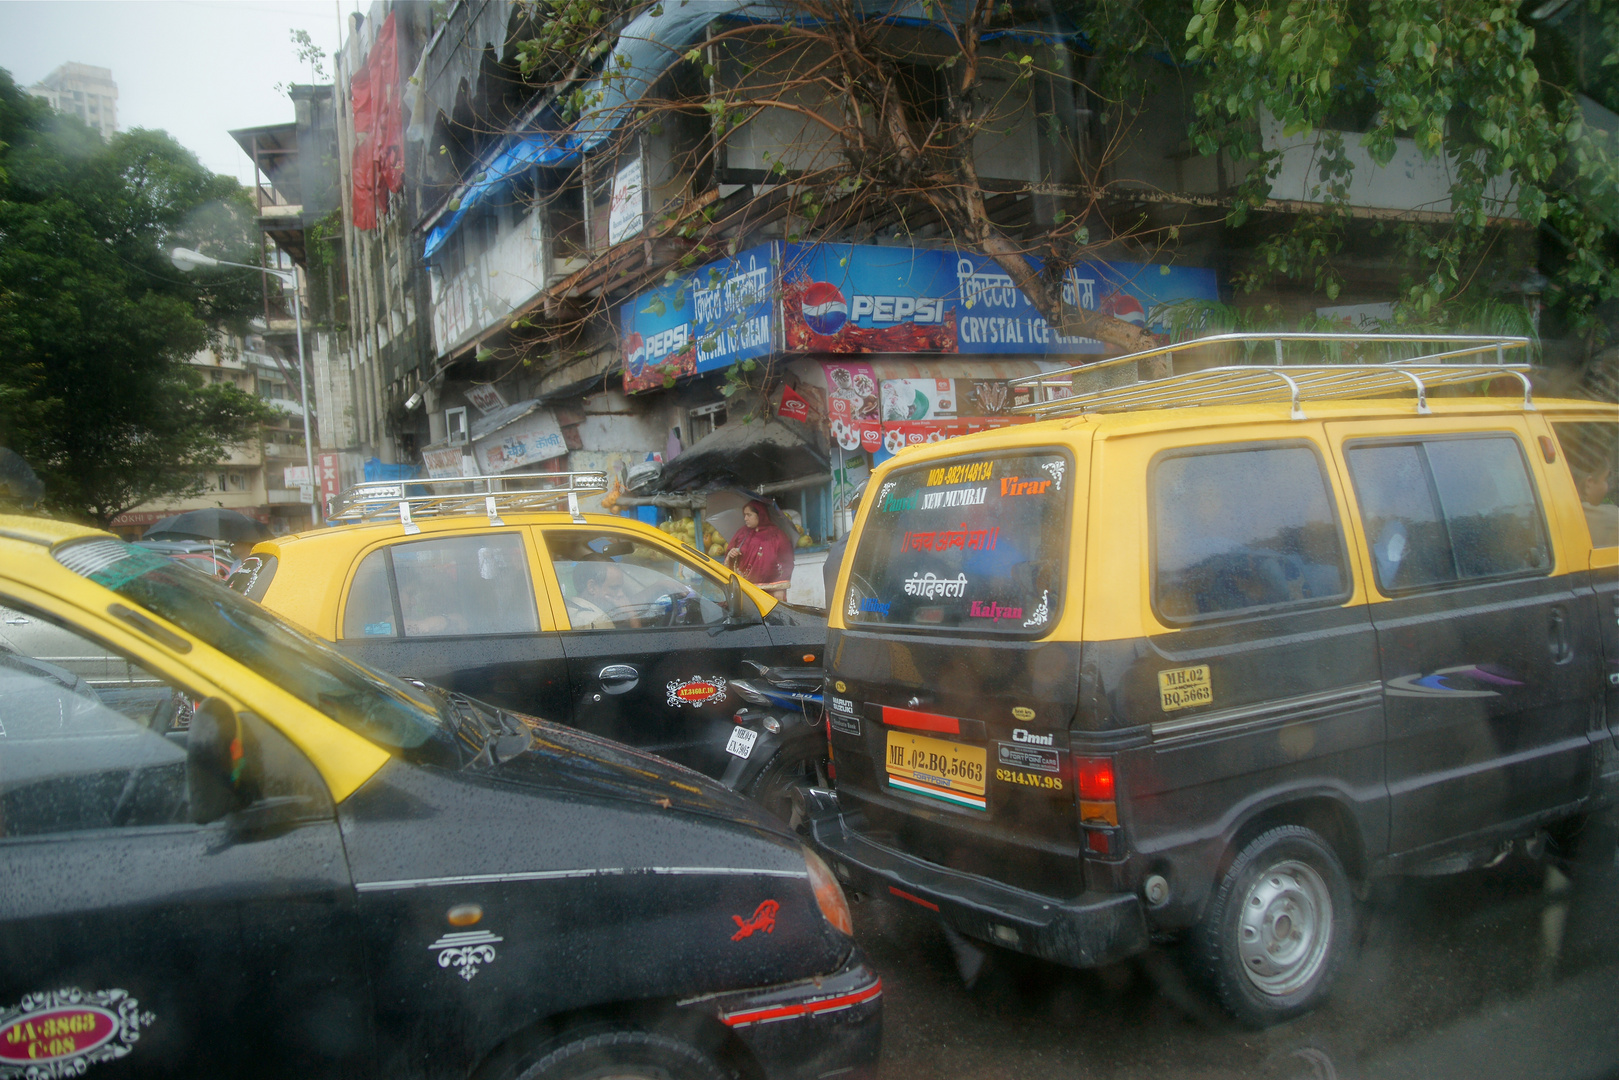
(779, 742)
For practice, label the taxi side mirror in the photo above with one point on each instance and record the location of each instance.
(215, 757)
(733, 598)
(739, 610)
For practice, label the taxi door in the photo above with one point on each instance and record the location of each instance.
(134, 938)
(459, 611)
(650, 655)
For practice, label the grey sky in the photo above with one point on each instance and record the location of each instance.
(195, 68)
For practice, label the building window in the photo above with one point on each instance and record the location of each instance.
(455, 425)
(223, 486)
(704, 419)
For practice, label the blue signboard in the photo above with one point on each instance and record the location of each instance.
(852, 298)
(708, 319)
(842, 299)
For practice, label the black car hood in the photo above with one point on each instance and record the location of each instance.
(567, 760)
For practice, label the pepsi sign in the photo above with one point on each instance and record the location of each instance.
(708, 319)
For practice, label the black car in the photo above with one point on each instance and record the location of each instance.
(273, 861)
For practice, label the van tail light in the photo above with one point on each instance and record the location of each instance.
(1094, 779)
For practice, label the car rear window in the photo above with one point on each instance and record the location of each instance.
(973, 543)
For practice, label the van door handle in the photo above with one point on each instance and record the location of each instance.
(1557, 629)
(618, 678)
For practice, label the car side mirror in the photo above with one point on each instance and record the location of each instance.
(733, 598)
(216, 758)
(739, 610)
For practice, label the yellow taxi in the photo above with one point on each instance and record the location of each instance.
(508, 594)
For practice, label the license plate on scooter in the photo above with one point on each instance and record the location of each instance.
(741, 743)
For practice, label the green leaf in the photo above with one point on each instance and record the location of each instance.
(483, 355)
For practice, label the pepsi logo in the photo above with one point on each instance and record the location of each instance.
(825, 310)
(635, 350)
(1122, 305)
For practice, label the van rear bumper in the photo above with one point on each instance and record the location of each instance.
(1089, 930)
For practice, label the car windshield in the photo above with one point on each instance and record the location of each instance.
(379, 707)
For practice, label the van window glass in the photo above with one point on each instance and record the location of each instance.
(1591, 449)
(1446, 510)
(1241, 529)
(1410, 547)
(975, 543)
(1489, 505)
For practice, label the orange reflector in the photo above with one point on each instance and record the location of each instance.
(1093, 812)
(464, 914)
(809, 658)
(1094, 777)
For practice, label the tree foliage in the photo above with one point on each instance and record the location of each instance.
(1473, 82)
(96, 325)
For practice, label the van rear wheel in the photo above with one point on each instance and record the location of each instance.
(1278, 927)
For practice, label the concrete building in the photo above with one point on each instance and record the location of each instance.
(84, 91)
(253, 478)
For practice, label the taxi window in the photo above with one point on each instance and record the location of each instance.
(974, 544)
(385, 711)
(1441, 511)
(611, 581)
(1591, 449)
(80, 752)
(453, 587)
(1244, 528)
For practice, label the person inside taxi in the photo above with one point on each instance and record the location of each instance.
(1602, 517)
(598, 587)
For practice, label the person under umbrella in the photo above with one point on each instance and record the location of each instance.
(761, 552)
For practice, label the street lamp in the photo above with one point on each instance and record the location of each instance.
(186, 260)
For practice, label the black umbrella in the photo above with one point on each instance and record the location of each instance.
(213, 523)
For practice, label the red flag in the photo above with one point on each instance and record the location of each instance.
(378, 161)
(793, 406)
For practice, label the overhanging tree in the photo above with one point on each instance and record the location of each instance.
(896, 103)
(96, 325)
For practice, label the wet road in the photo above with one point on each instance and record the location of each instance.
(1509, 972)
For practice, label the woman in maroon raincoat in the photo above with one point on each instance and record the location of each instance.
(760, 552)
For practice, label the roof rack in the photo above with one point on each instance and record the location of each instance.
(404, 500)
(1278, 380)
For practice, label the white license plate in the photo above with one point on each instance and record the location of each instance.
(742, 740)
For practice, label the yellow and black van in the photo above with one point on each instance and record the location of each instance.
(1141, 670)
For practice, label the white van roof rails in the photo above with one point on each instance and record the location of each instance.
(402, 500)
(1351, 374)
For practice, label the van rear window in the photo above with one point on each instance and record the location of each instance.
(973, 543)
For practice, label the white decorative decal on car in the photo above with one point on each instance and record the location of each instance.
(696, 691)
(63, 1032)
(466, 950)
(1041, 613)
(1056, 469)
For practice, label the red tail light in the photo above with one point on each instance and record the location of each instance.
(1094, 778)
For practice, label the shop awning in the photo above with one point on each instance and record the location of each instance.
(746, 454)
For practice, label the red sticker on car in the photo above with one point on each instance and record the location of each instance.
(764, 918)
(70, 1027)
(696, 691)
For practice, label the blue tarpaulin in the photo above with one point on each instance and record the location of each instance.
(376, 469)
